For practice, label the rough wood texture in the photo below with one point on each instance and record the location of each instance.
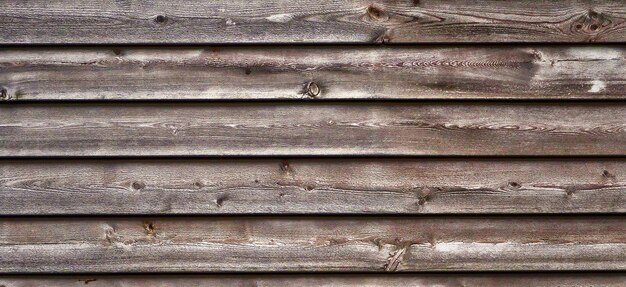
(322, 244)
(328, 280)
(281, 129)
(310, 21)
(433, 72)
(335, 186)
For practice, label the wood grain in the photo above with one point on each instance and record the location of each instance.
(313, 129)
(306, 186)
(242, 73)
(323, 244)
(310, 21)
(327, 280)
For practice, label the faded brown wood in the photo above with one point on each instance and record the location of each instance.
(328, 280)
(310, 21)
(304, 186)
(323, 244)
(286, 129)
(432, 72)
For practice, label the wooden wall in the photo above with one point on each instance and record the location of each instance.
(312, 143)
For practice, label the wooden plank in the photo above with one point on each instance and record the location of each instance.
(323, 244)
(305, 186)
(286, 129)
(328, 280)
(400, 72)
(310, 21)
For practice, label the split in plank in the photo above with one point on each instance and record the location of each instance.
(312, 186)
(243, 73)
(313, 129)
(310, 21)
(322, 244)
(327, 280)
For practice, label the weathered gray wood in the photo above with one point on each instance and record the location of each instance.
(327, 280)
(31, 245)
(334, 186)
(310, 21)
(432, 72)
(281, 129)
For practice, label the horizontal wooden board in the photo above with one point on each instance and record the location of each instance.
(287, 129)
(240, 73)
(328, 280)
(323, 244)
(304, 186)
(310, 21)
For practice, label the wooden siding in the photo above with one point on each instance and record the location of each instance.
(327, 280)
(313, 143)
(305, 186)
(310, 21)
(314, 73)
(323, 244)
(321, 129)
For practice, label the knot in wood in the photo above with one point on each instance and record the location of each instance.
(160, 19)
(377, 14)
(312, 89)
(514, 185)
(137, 185)
(4, 94)
(150, 228)
(592, 22)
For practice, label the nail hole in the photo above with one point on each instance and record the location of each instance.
(3, 95)
(160, 19)
(312, 89)
(248, 71)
